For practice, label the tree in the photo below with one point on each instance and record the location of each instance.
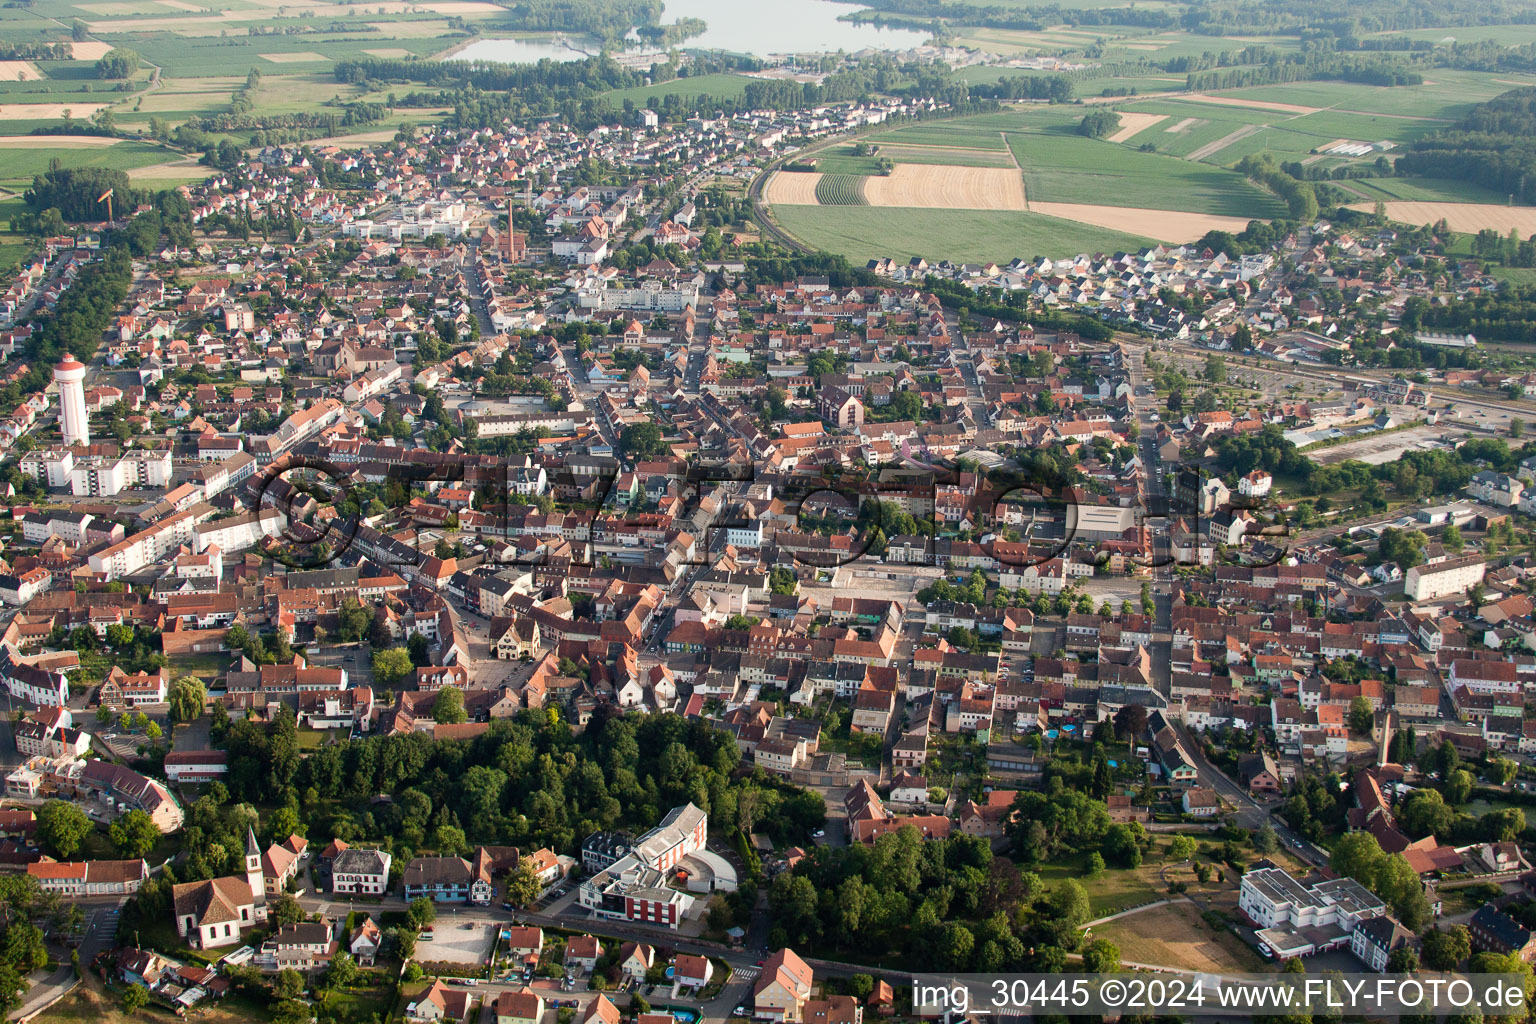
(153, 731)
(523, 886)
(1403, 960)
(284, 909)
(421, 912)
(289, 984)
(1457, 786)
(135, 998)
(1359, 856)
(1445, 950)
(187, 699)
(1101, 957)
(134, 834)
(1265, 840)
(448, 709)
(62, 827)
(393, 666)
(1181, 848)
(1130, 721)
(117, 63)
(342, 971)
(1451, 539)
(642, 441)
(1362, 715)
(1069, 904)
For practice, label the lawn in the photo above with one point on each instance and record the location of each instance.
(1061, 166)
(1110, 891)
(865, 232)
(1175, 936)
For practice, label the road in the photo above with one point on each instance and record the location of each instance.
(1250, 813)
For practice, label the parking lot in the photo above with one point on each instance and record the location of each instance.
(467, 942)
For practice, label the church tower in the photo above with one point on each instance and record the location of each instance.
(253, 867)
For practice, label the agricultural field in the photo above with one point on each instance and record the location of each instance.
(864, 232)
(840, 190)
(19, 163)
(1063, 167)
(791, 188)
(934, 186)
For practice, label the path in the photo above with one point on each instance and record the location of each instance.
(1127, 913)
(1226, 140)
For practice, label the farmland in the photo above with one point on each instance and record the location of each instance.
(840, 190)
(862, 232)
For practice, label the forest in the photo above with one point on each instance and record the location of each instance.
(1492, 146)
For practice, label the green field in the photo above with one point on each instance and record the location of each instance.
(960, 134)
(22, 164)
(864, 232)
(1068, 168)
(1432, 190)
(842, 160)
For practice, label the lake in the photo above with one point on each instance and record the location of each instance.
(737, 26)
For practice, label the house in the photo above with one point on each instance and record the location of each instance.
(522, 1007)
(635, 959)
(1375, 939)
(357, 872)
(782, 988)
(300, 946)
(834, 1010)
(583, 952)
(364, 942)
(439, 1003)
(1199, 802)
(602, 1011)
(525, 942)
(1259, 773)
(281, 863)
(691, 970)
(1496, 932)
(90, 878)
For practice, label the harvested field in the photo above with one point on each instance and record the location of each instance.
(943, 187)
(56, 141)
(1175, 129)
(47, 111)
(1163, 225)
(791, 188)
(91, 49)
(388, 52)
(300, 57)
(1133, 123)
(182, 5)
(1233, 101)
(189, 170)
(1468, 217)
(19, 71)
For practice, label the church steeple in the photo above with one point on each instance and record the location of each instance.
(253, 865)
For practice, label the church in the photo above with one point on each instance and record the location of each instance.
(213, 913)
